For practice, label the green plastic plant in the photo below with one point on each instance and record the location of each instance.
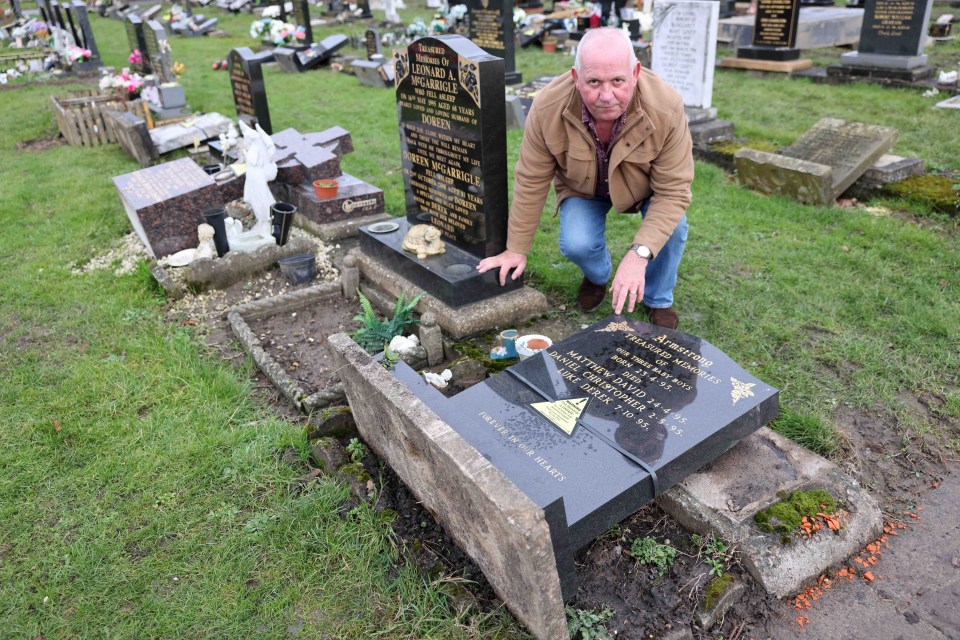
(375, 333)
(648, 551)
(588, 625)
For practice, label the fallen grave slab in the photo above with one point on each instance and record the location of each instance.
(820, 165)
(723, 498)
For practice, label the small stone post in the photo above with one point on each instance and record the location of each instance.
(349, 277)
(431, 338)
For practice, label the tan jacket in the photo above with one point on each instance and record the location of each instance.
(652, 154)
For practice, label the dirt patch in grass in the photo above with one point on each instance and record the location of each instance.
(44, 143)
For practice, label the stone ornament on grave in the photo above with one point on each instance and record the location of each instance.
(685, 47)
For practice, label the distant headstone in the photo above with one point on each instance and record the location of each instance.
(165, 204)
(136, 39)
(646, 405)
(371, 40)
(491, 28)
(685, 47)
(301, 15)
(820, 165)
(158, 51)
(299, 60)
(892, 36)
(450, 102)
(77, 13)
(15, 7)
(774, 31)
(249, 92)
(373, 73)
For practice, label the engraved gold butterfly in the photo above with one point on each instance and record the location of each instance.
(741, 389)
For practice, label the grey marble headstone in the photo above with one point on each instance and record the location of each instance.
(820, 165)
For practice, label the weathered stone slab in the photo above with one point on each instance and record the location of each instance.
(685, 47)
(496, 524)
(806, 182)
(818, 27)
(510, 309)
(887, 170)
(132, 134)
(710, 131)
(723, 498)
(201, 128)
(220, 273)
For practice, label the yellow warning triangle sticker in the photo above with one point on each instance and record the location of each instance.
(563, 413)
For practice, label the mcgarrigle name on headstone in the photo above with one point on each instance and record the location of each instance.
(647, 405)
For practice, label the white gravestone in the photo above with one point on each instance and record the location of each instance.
(685, 47)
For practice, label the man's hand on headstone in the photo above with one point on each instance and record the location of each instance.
(628, 283)
(506, 261)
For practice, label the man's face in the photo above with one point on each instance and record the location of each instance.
(606, 80)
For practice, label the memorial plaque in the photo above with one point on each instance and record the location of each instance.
(371, 40)
(301, 15)
(685, 47)
(249, 91)
(165, 204)
(775, 24)
(136, 39)
(894, 27)
(491, 28)
(158, 51)
(606, 419)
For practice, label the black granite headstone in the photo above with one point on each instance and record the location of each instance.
(77, 11)
(491, 28)
(158, 51)
(606, 419)
(774, 31)
(894, 27)
(249, 91)
(301, 15)
(451, 108)
(371, 40)
(136, 39)
(15, 7)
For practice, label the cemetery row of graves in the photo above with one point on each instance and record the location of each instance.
(222, 436)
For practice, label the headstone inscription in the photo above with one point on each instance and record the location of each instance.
(249, 92)
(892, 36)
(158, 51)
(165, 203)
(301, 15)
(774, 31)
(685, 47)
(450, 104)
(648, 406)
(820, 165)
(136, 40)
(491, 28)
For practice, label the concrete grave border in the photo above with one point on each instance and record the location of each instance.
(495, 523)
(295, 394)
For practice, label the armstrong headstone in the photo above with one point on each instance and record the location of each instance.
(491, 28)
(450, 103)
(646, 405)
(249, 92)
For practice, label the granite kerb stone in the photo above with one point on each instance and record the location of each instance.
(723, 497)
(219, 273)
(496, 524)
(295, 394)
(337, 229)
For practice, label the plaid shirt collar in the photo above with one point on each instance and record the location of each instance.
(603, 150)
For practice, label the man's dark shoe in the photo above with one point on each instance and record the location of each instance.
(665, 318)
(590, 295)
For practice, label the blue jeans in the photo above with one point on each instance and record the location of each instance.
(583, 241)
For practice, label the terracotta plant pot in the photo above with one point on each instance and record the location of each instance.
(549, 47)
(325, 188)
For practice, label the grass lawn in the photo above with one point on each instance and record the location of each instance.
(142, 487)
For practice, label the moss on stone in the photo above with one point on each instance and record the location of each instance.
(470, 351)
(940, 192)
(730, 147)
(356, 471)
(786, 515)
(715, 590)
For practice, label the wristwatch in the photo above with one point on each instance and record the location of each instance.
(642, 251)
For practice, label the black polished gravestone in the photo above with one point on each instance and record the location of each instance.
(158, 51)
(892, 35)
(371, 41)
(301, 15)
(80, 22)
(451, 108)
(491, 28)
(249, 92)
(774, 31)
(605, 421)
(136, 40)
(297, 61)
